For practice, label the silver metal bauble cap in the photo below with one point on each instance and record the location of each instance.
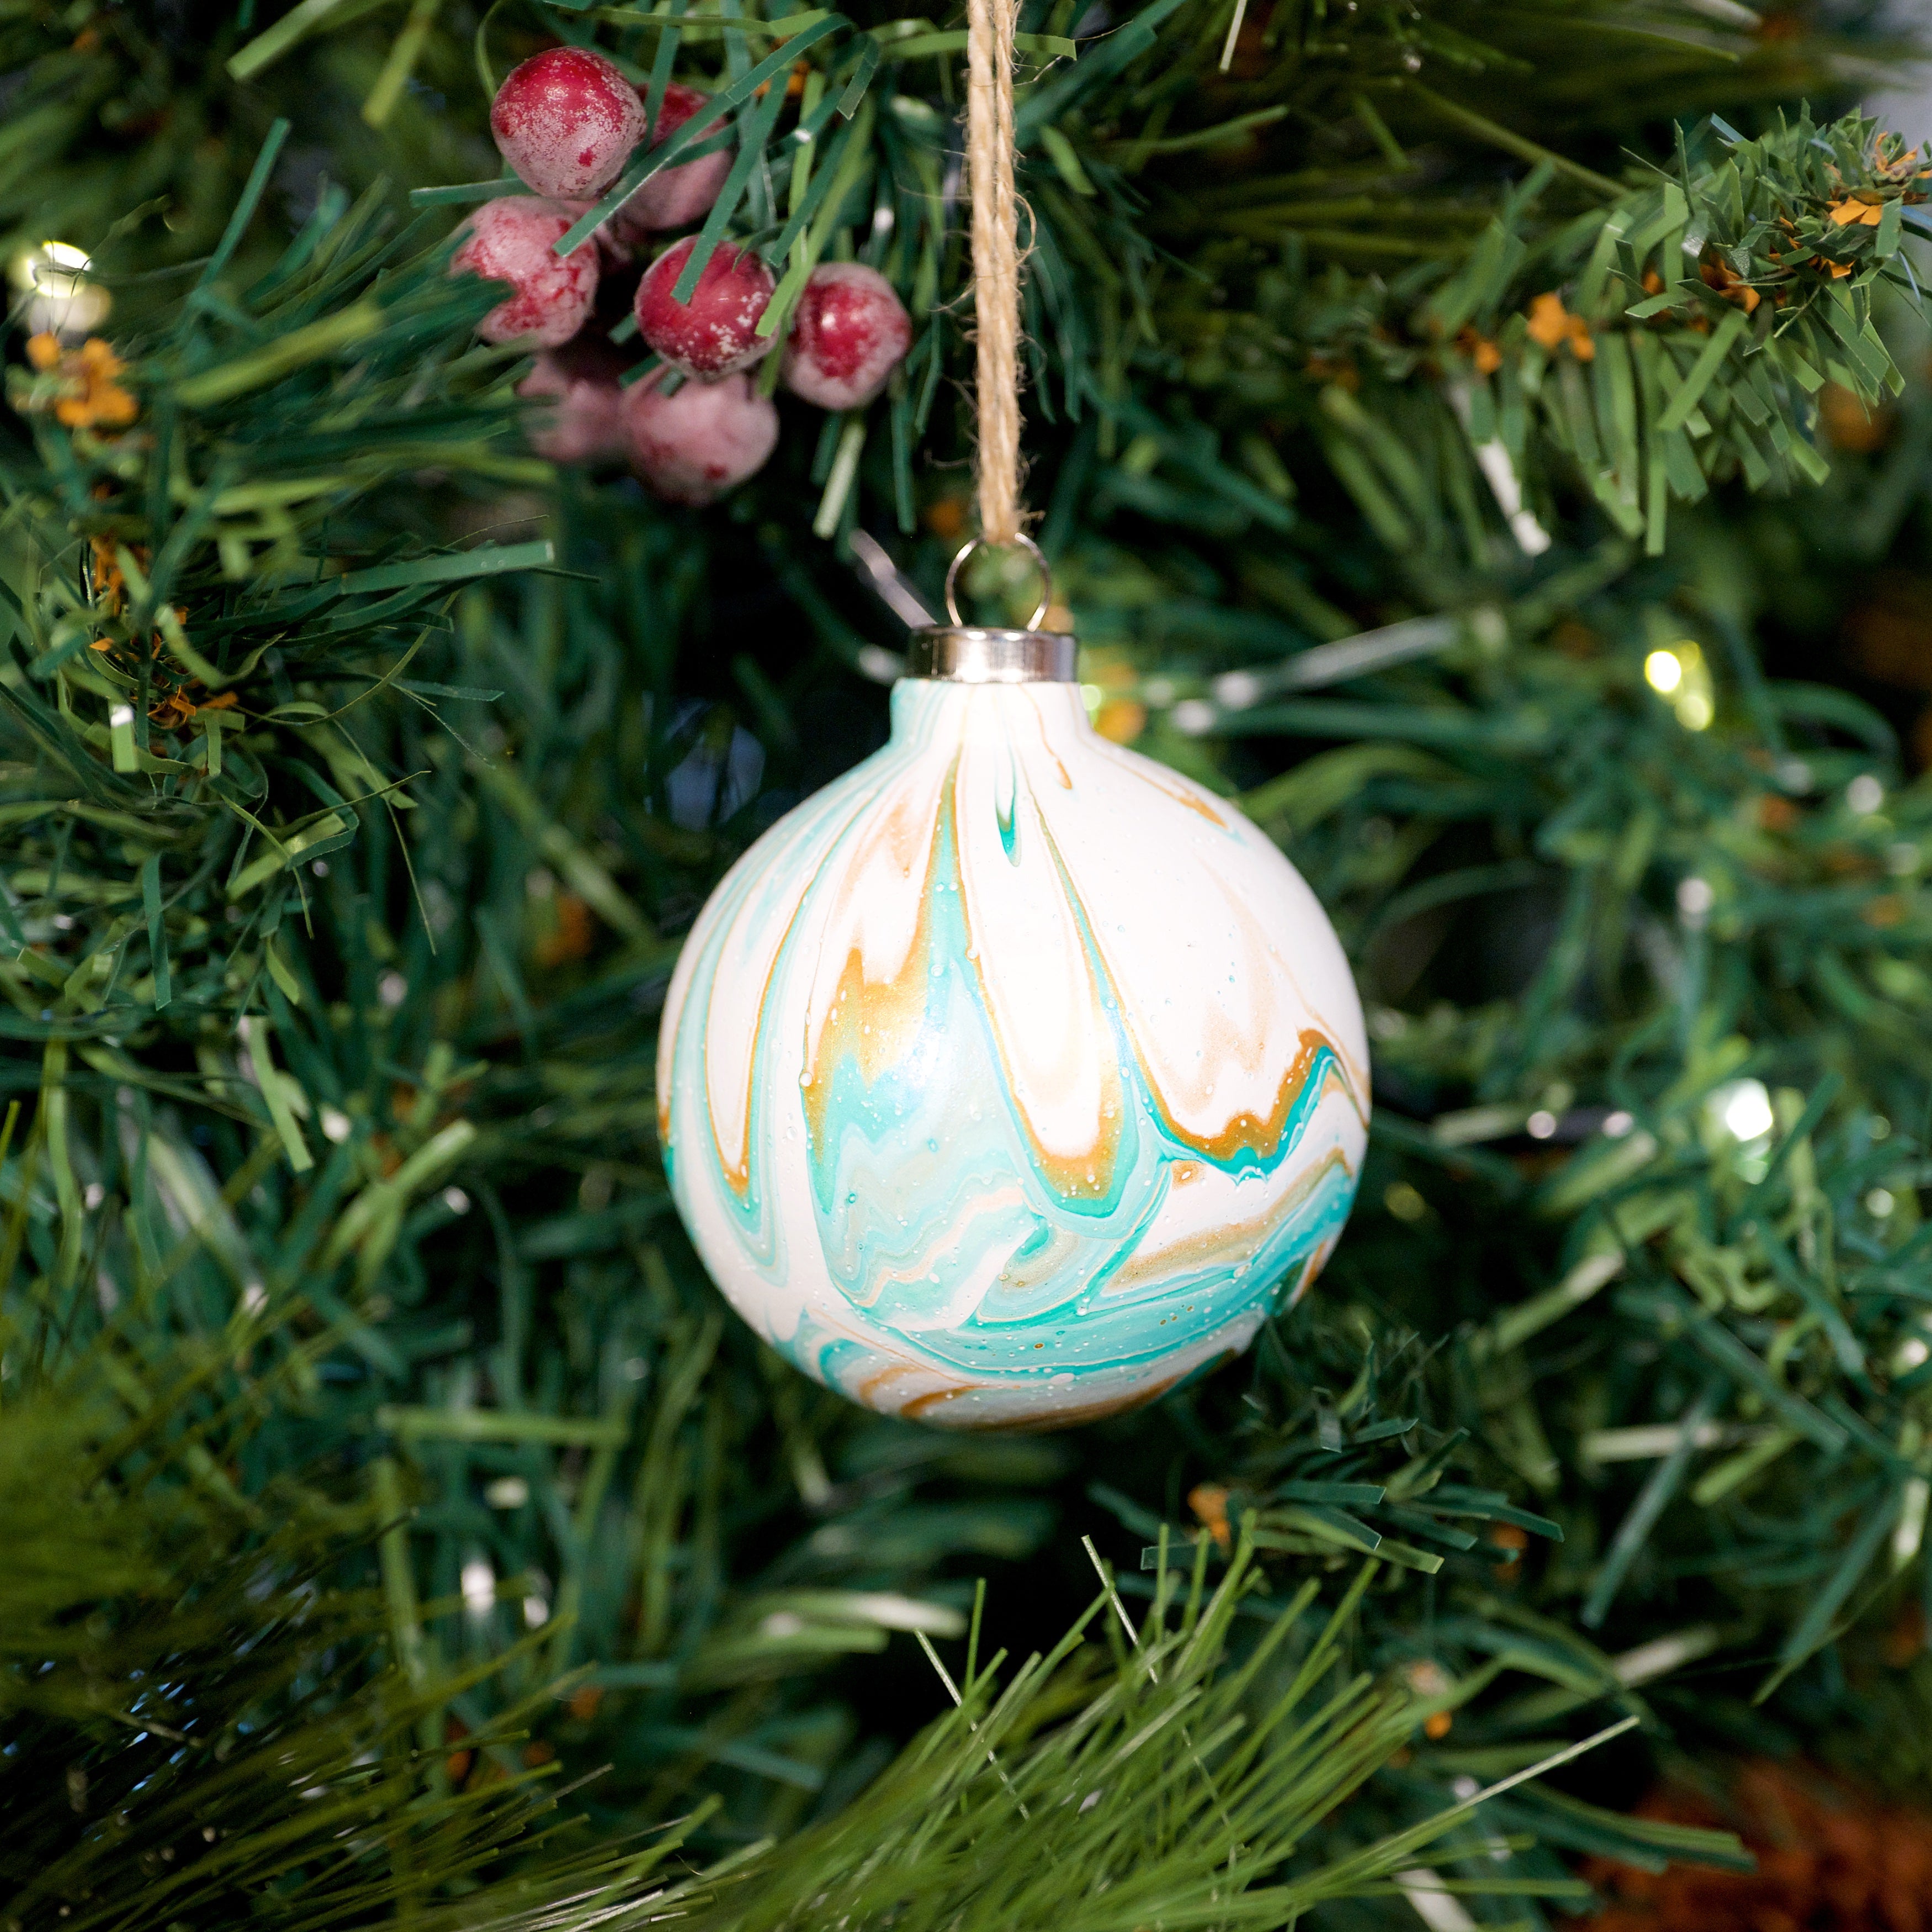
(957, 653)
(968, 654)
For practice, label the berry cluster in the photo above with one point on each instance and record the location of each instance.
(567, 121)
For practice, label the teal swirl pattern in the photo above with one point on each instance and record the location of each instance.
(1013, 1079)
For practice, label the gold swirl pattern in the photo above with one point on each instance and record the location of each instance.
(1012, 1079)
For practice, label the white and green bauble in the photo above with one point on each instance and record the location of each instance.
(1013, 1079)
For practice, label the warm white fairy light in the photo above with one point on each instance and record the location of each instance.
(58, 299)
(478, 1585)
(1678, 674)
(1744, 1108)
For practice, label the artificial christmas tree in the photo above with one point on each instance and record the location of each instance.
(1487, 446)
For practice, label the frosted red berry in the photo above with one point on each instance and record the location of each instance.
(848, 334)
(676, 196)
(715, 331)
(693, 446)
(513, 240)
(584, 422)
(566, 120)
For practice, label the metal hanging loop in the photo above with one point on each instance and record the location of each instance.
(1022, 542)
(962, 653)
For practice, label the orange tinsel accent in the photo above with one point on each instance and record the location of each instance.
(1428, 1679)
(574, 936)
(1858, 209)
(1513, 1542)
(456, 1766)
(174, 709)
(1334, 369)
(1732, 287)
(1847, 423)
(1480, 350)
(89, 389)
(1552, 325)
(946, 517)
(109, 587)
(1209, 1502)
(1829, 1859)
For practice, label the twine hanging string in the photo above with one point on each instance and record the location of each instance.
(990, 26)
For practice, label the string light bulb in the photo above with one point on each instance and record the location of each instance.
(58, 299)
(1743, 1109)
(1678, 673)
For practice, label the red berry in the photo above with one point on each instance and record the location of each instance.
(683, 193)
(714, 332)
(513, 240)
(586, 423)
(850, 332)
(566, 121)
(692, 447)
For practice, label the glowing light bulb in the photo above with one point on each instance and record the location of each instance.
(1744, 1108)
(1663, 672)
(63, 255)
(1864, 794)
(61, 300)
(479, 1585)
(1678, 673)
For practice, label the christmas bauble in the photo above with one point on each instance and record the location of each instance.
(1013, 1078)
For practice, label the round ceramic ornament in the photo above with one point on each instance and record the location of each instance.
(1013, 1079)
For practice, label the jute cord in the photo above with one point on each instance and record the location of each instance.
(990, 26)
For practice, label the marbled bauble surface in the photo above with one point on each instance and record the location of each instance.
(1013, 1078)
